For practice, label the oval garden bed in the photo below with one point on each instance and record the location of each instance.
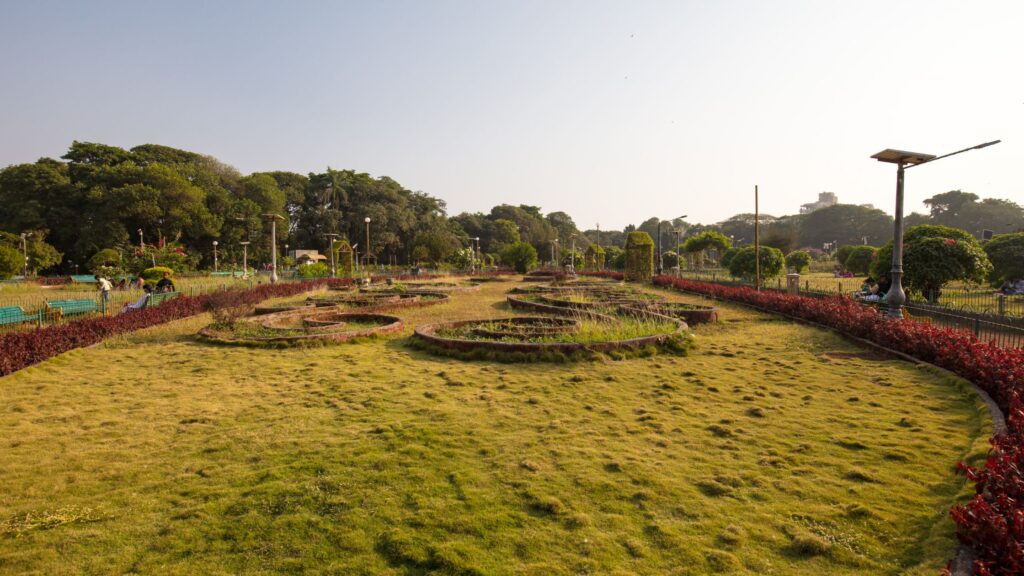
(301, 327)
(546, 338)
(692, 314)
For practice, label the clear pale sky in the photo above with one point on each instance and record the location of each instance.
(610, 111)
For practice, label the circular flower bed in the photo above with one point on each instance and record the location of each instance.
(692, 314)
(301, 327)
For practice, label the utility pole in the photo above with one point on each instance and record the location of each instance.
(757, 241)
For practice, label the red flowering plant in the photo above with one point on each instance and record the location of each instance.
(992, 523)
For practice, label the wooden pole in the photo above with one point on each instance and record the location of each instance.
(757, 242)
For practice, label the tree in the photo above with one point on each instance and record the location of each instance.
(521, 256)
(11, 262)
(843, 252)
(41, 255)
(743, 263)
(933, 256)
(727, 257)
(783, 234)
(699, 244)
(847, 224)
(615, 257)
(106, 258)
(1006, 252)
(860, 259)
(798, 260)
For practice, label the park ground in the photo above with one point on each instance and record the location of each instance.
(772, 448)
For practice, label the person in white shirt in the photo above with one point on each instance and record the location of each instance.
(105, 287)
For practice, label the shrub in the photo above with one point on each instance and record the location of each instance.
(861, 259)
(229, 306)
(798, 260)
(727, 256)
(699, 244)
(313, 270)
(11, 261)
(615, 257)
(743, 263)
(107, 258)
(155, 273)
(639, 257)
(521, 256)
(933, 256)
(1006, 252)
(843, 252)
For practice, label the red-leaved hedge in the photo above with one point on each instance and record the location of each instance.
(22, 349)
(993, 521)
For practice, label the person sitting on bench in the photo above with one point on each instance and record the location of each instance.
(141, 303)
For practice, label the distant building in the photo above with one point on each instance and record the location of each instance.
(304, 256)
(825, 199)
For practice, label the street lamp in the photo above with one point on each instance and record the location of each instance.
(24, 252)
(660, 267)
(679, 262)
(142, 245)
(245, 258)
(554, 261)
(896, 297)
(572, 255)
(273, 218)
(215, 255)
(366, 251)
(331, 236)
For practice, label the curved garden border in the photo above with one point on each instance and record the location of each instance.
(517, 303)
(692, 314)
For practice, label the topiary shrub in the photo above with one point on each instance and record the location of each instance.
(934, 255)
(107, 258)
(1006, 252)
(639, 257)
(860, 259)
(843, 252)
(155, 273)
(727, 256)
(798, 260)
(313, 270)
(743, 263)
(11, 261)
(343, 253)
(593, 258)
(699, 244)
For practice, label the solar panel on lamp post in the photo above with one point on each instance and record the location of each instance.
(903, 159)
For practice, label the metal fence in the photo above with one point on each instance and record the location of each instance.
(1005, 329)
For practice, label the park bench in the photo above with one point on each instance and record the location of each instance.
(83, 279)
(158, 298)
(16, 315)
(72, 307)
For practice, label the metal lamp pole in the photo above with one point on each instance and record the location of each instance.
(24, 252)
(572, 255)
(366, 251)
(679, 261)
(331, 236)
(273, 218)
(215, 256)
(896, 296)
(245, 259)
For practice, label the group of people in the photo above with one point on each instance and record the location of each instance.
(1012, 287)
(873, 291)
(165, 284)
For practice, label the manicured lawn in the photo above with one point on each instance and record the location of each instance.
(773, 448)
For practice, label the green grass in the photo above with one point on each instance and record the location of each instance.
(773, 448)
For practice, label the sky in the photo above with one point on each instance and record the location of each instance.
(612, 111)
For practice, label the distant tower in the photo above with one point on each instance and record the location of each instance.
(825, 199)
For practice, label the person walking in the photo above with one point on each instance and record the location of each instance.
(105, 286)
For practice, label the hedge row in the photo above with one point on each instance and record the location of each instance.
(22, 349)
(993, 521)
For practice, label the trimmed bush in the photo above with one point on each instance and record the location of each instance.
(798, 260)
(1006, 252)
(743, 263)
(933, 256)
(593, 258)
(521, 256)
(843, 252)
(639, 257)
(861, 259)
(154, 274)
(727, 256)
(11, 261)
(313, 270)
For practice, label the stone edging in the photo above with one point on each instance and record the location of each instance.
(394, 324)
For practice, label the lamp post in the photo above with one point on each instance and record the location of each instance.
(286, 255)
(215, 256)
(554, 261)
(273, 218)
(245, 259)
(679, 262)
(355, 254)
(142, 245)
(896, 297)
(476, 255)
(660, 263)
(366, 251)
(24, 252)
(331, 236)
(572, 255)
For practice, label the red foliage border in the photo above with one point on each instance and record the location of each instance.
(23, 349)
(992, 523)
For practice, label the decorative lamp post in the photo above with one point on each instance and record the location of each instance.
(273, 218)
(286, 255)
(679, 263)
(476, 253)
(366, 251)
(572, 255)
(245, 258)
(332, 236)
(896, 297)
(142, 245)
(24, 252)
(215, 267)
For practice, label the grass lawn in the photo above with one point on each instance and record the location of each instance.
(773, 448)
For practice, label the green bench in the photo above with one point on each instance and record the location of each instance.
(158, 298)
(16, 315)
(73, 307)
(83, 279)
